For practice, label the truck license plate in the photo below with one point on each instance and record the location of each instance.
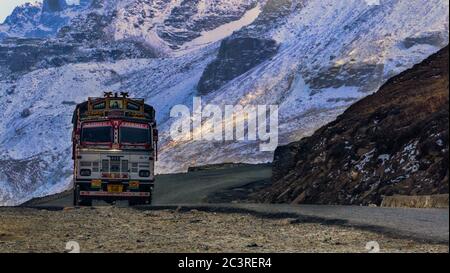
(115, 188)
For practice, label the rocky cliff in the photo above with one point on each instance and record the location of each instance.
(54, 5)
(236, 56)
(393, 142)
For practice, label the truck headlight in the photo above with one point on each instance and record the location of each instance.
(85, 172)
(144, 173)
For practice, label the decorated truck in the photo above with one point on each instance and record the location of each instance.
(115, 143)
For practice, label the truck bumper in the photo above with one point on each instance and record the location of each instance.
(141, 194)
(114, 194)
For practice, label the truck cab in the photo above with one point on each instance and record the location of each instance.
(114, 150)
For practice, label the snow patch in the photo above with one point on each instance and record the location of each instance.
(220, 33)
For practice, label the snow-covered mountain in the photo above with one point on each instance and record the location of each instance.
(40, 19)
(313, 58)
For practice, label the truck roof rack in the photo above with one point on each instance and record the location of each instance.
(113, 106)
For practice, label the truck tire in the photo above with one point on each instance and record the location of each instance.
(140, 202)
(150, 201)
(133, 203)
(77, 202)
(75, 197)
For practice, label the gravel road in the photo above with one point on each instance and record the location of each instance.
(185, 188)
(189, 191)
(115, 229)
(431, 225)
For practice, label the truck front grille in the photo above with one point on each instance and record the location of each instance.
(115, 166)
(105, 166)
(124, 166)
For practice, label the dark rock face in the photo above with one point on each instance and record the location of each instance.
(273, 13)
(358, 74)
(236, 56)
(97, 4)
(24, 55)
(393, 142)
(182, 13)
(40, 20)
(94, 23)
(25, 113)
(433, 38)
(54, 5)
(23, 14)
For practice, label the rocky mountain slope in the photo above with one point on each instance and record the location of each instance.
(107, 30)
(40, 20)
(393, 142)
(312, 58)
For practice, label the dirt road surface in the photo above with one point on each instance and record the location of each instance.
(113, 229)
(182, 221)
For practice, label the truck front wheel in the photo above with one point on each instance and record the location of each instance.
(140, 202)
(77, 201)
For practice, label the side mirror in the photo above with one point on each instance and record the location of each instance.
(155, 135)
(155, 141)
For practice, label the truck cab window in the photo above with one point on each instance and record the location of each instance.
(133, 107)
(99, 106)
(97, 134)
(116, 104)
(129, 135)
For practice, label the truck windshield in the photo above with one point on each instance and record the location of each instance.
(130, 135)
(97, 134)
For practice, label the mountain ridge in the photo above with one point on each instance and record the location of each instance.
(40, 20)
(392, 142)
